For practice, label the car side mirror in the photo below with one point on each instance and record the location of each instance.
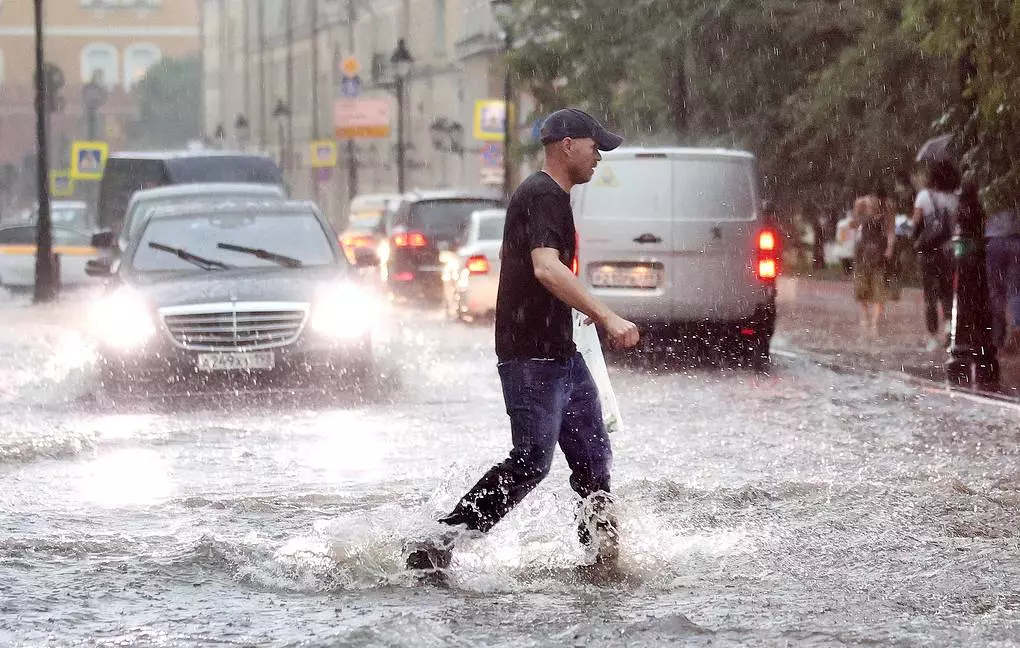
(101, 267)
(104, 240)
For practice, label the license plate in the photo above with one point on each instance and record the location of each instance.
(236, 361)
(626, 277)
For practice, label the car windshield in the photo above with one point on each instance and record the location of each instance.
(141, 209)
(491, 229)
(216, 168)
(224, 237)
(71, 216)
(446, 217)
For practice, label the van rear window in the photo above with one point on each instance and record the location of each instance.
(232, 168)
(446, 217)
(713, 190)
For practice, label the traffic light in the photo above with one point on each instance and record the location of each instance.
(53, 79)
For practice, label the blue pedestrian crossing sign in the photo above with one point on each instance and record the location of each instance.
(88, 159)
(61, 184)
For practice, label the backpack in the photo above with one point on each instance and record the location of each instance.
(936, 231)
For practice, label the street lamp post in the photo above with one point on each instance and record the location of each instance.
(504, 13)
(45, 264)
(401, 60)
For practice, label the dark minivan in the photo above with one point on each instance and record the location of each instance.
(419, 236)
(127, 172)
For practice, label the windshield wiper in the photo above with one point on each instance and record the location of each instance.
(181, 253)
(286, 261)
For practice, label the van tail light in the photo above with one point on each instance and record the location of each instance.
(478, 264)
(409, 239)
(767, 262)
(575, 265)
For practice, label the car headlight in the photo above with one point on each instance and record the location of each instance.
(344, 311)
(123, 320)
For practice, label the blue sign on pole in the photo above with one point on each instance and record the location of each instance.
(492, 154)
(350, 86)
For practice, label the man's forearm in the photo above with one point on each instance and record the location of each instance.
(561, 282)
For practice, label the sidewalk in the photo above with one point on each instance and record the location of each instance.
(821, 316)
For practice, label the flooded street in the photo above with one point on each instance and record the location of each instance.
(806, 507)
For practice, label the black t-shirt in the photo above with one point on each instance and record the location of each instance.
(530, 321)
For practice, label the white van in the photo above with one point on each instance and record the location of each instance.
(674, 239)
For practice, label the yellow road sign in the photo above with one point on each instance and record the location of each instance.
(88, 158)
(490, 120)
(61, 184)
(323, 154)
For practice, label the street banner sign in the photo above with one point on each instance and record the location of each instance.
(350, 87)
(61, 184)
(323, 154)
(490, 120)
(88, 158)
(492, 176)
(361, 118)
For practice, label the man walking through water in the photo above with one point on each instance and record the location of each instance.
(550, 395)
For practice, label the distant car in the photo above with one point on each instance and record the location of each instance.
(240, 293)
(72, 214)
(17, 256)
(412, 236)
(471, 273)
(127, 172)
(365, 227)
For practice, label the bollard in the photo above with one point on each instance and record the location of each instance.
(972, 361)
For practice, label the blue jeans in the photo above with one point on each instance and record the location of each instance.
(1002, 260)
(550, 402)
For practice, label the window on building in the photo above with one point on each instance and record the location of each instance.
(99, 62)
(440, 27)
(137, 61)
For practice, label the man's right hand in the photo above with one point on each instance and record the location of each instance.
(622, 334)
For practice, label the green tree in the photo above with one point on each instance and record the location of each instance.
(830, 95)
(982, 36)
(169, 104)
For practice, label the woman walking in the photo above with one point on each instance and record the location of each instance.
(875, 223)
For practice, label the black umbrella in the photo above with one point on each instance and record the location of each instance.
(936, 149)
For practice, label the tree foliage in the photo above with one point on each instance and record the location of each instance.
(169, 104)
(982, 36)
(832, 96)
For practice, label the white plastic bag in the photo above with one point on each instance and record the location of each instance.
(586, 339)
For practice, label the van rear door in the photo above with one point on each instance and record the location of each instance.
(625, 233)
(714, 230)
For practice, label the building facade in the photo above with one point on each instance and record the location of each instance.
(111, 41)
(273, 69)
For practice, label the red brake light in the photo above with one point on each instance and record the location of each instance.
(478, 265)
(409, 239)
(575, 266)
(767, 241)
(767, 269)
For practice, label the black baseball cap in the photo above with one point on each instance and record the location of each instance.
(571, 122)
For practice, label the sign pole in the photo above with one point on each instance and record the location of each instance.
(45, 266)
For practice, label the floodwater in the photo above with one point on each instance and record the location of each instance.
(802, 508)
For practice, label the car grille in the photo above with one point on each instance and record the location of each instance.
(235, 326)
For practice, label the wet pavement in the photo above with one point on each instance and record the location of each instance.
(810, 506)
(821, 317)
